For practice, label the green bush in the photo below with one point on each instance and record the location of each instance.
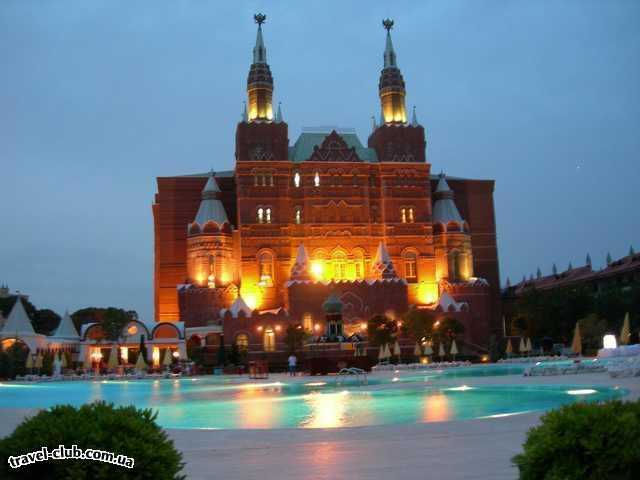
(584, 442)
(120, 430)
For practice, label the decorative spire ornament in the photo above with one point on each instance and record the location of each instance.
(609, 259)
(588, 261)
(554, 269)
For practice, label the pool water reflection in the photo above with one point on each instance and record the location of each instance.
(220, 403)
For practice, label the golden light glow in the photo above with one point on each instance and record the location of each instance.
(132, 330)
(424, 360)
(317, 269)
(363, 326)
(124, 354)
(316, 327)
(427, 293)
(252, 296)
(436, 408)
(327, 409)
(436, 324)
(259, 328)
(156, 356)
(278, 328)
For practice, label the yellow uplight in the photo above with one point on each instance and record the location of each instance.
(317, 269)
(427, 293)
(252, 296)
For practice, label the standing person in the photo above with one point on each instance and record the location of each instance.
(293, 361)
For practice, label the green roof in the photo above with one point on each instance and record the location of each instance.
(303, 148)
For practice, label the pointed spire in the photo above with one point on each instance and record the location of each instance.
(632, 252)
(382, 264)
(18, 322)
(538, 273)
(554, 269)
(570, 266)
(300, 268)
(444, 208)
(414, 118)
(279, 113)
(259, 51)
(66, 328)
(211, 208)
(609, 259)
(389, 53)
(244, 115)
(508, 282)
(588, 260)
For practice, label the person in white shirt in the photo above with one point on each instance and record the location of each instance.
(293, 362)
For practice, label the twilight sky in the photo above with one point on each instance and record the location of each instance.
(99, 97)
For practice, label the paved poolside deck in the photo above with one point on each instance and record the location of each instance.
(465, 449)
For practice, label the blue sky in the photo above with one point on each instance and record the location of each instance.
(97, 98)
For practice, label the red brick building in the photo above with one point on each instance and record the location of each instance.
(248, 251)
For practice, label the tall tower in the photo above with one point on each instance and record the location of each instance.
(260, 81)
(259, 136)
(395, 140)
(391, 86)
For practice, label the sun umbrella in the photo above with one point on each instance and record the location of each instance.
(140, 364)
(387, 351)
(38, 362)
(417, 351)
(441, 350)
(113, 358)
(576, 343)
(428, 350)
(529, 347)
(454, 349)
(29, 364)
(625, 333)
(381, 353)
(168, 359)
(509, 349)
(396, 349)
(522, 347)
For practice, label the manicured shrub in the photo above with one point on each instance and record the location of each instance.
(120, 430)
(584, 441)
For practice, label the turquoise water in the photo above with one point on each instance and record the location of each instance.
(219, 402)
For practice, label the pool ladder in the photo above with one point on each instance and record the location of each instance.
(361, 375)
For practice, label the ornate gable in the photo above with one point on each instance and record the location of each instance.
(334, 149)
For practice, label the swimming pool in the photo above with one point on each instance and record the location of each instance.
(223, 403)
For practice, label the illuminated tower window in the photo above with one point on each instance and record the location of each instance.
(403, 215)
(298, 215)
(339, 266)
(242, 342)
(307, 322)
(411, 215)
(269, 340)
(316, 179)
(267, 215)
(410, 267)
(266, 269)
(260, 215)
(296, 179)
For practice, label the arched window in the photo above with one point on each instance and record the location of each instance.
(269, 340)
(410, 211)
(410, 267)
(316, 179)
(298, 214)
(307, 322)
(456, 265)
(265, 262)
(267, 215)
(242, 342)
(339, 266)
(358, 265)
(260, 215)
(296, 179)
(403, 215)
